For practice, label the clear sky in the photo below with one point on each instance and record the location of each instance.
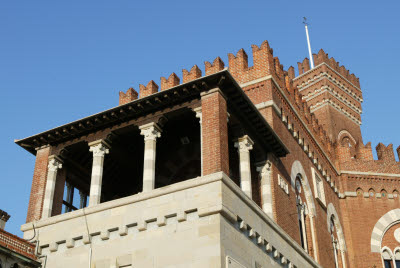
(63, 60)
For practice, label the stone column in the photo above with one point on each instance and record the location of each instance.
(303, 225)
(99, 149)
(266, 192)
(150, 132)
(199, 116)
(244, 145)
(55, 163)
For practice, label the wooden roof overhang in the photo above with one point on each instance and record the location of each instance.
(237, 101)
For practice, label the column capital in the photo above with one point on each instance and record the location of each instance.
(199, 113)
(55, 163)
(264, 167)
(150, 131)
(244, 144)
(99, 148)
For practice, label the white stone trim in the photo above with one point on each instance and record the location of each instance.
(269, 103)
(318, 186)
(383, 224)
(369, 173)
(332, 211)
(255, 81)
(297, 168)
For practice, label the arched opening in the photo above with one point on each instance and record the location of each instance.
(334, 239)
(387, 258)
(302, 212)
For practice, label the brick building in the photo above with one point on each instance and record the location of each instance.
(15, 252)
(239, 167)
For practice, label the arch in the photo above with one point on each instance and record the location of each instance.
(297, 169)
(332, 211)
(343, 133)
(387, 254)
(383, 224)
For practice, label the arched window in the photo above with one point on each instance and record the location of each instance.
(334, 240)
(397, 257)
(301, 212)
(387, 258)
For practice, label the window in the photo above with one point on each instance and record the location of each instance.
(397, 258)
(318, 187)
(387, 258)
(334, 240)
(301, 213)
(73, 198)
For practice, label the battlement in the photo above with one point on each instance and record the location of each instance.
(385, 153)
(129, 96)
(264, 64)
(363, 152)
(323, 57)
(172, 81)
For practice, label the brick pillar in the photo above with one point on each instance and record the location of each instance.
(55, 164)
(214, 132)
(38, 185)
(150, 132)
(99, 148)
(244, 145)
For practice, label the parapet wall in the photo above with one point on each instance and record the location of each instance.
(323, 57)
(265, 65)
(361, 159)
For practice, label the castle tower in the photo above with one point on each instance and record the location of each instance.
(333, 95)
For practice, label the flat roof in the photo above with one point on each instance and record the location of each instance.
(237, 101)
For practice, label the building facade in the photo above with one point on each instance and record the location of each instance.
(15, 252)
(240, 167)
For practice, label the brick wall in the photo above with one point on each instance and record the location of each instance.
(38, 185)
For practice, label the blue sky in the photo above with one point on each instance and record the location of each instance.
(63, 60)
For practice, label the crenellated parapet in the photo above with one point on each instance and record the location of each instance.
(145, 91)
(323, 57)
(266, 66)
(172, 81)
(193, 74)
(360, 158)
(216, 66)
(129, 96)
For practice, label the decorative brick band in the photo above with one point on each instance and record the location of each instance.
(323, 89)
(323, 63)
(325, 102)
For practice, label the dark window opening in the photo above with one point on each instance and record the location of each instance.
(388, 263)
(73, 198)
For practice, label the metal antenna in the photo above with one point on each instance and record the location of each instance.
(308, 41)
